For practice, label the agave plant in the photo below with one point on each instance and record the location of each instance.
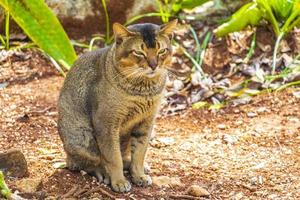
(283, 15)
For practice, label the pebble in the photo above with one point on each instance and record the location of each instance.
(165, 181)
(261, 109)
(238, 122)
(297, 94)
(251, 114)
(29, 185)
(178, 85)
(197, 191)
(13, 163)
(229, 139)
(162, 142)
(238, 196)
(221, 126)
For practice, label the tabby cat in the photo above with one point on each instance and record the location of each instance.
(109, 100)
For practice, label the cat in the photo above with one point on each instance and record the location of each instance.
(109, 100)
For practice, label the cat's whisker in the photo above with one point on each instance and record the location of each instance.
(118, 75)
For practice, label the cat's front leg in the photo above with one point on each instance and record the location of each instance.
(140, 140)
(107, 135)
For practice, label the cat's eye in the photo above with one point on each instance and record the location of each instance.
(163, 51)
(138, 53)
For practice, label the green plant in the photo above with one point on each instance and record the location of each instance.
(283, 15)
(168, 8)
(108, 38)
(43, 28)
(5, 42)
(4, 190)
(251, 49)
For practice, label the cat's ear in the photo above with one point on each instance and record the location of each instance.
(120, 32)
(168, 28)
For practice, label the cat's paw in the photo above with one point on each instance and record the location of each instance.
(121, 185)
(101, 175)
(142, 181)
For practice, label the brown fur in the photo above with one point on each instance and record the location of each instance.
(109, 101)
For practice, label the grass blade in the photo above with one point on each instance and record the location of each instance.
(197, 43)
(251, 50)
(7, 36)
(278, 40)
(106, 20)
(203, 47)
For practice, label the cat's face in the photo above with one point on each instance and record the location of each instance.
(143, 50)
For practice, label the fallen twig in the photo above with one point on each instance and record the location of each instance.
(106, 193)
(70, 193)
(83, 190)
(174, 196)
(99, 189)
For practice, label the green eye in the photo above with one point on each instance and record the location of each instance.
(138, 53)
(163, 51)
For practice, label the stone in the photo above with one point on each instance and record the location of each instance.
(251, 114)
(221, 126)
(229, 139)
(13, 163)
(297, 94)
(178, 85)
(165, 181)
(29, 185)
(162, 142)
(197, 191)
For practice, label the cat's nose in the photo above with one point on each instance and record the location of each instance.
(152, 64)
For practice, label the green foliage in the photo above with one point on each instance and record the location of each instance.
(5, 42)
(43, 28)
(108, 39)
(171, 8)
(283, 15)
(249, 14)
(186, 4)
(4, 190)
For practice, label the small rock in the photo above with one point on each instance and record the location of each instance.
(221, 126)
(186, 145)
(29, 185)
(198, 191)
(13, 163)
(257, 180)
(236, 111)
(251, 114)
(297, 94)
(60, 165)
(230, 139)
(294, 119)
(162, 142)
(238, 122)
(178, 85)
(165, 181)
(272, 196)
(238, 196)
(261, 109)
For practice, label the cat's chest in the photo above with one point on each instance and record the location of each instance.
(137, 112)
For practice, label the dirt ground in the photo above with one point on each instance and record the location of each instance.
(245, 152)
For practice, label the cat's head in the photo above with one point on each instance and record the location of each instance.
(143, 50)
